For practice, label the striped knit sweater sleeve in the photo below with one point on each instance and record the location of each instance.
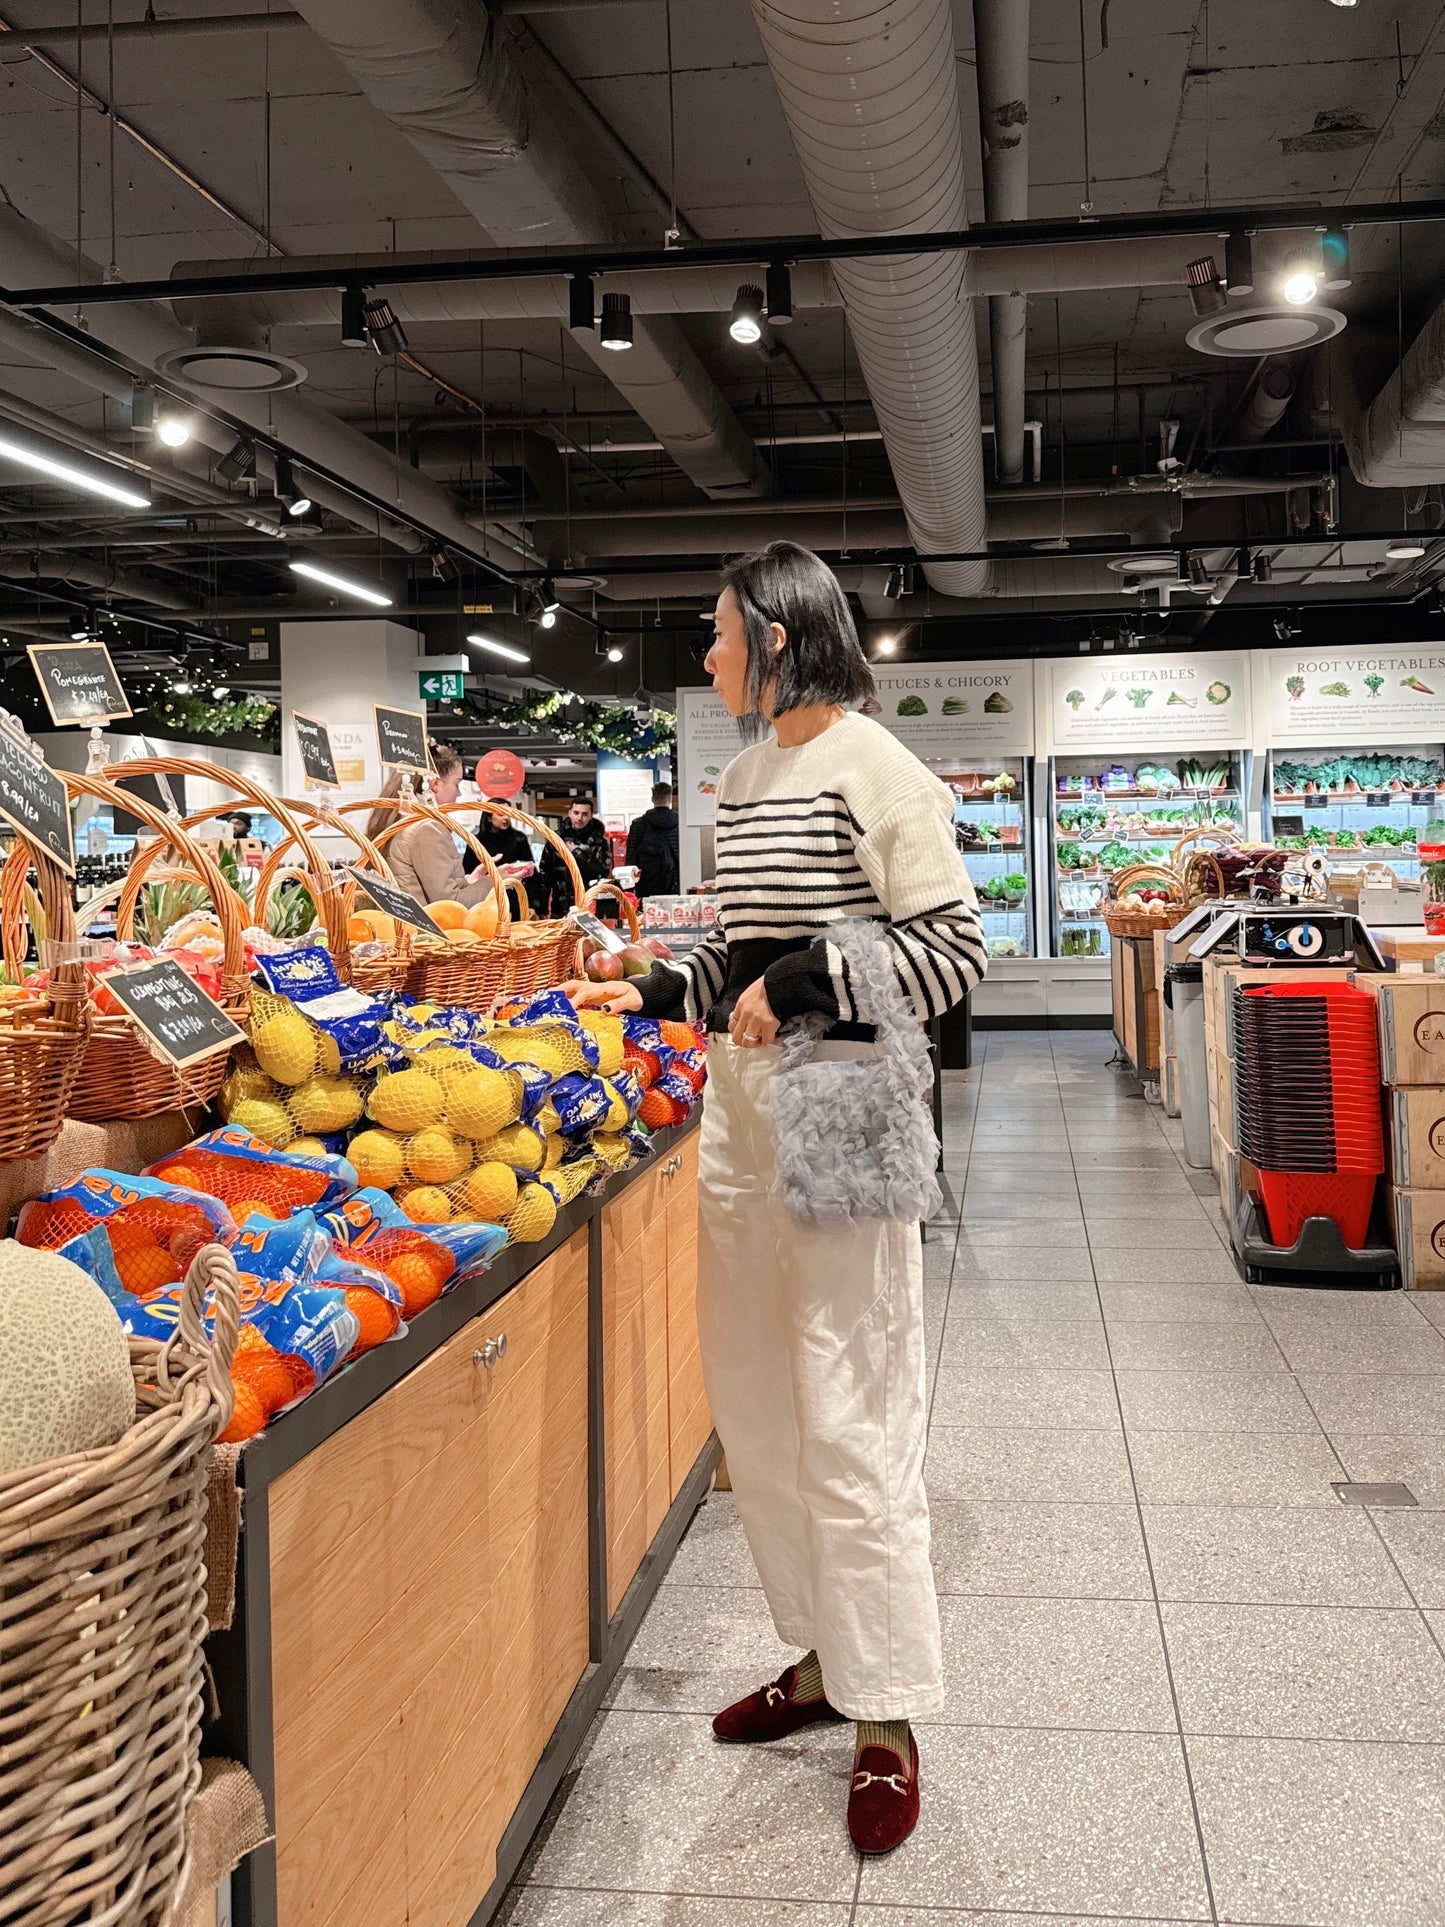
(850, 824)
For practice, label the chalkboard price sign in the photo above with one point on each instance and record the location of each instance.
(78, 682)
(313, 739)
(1317, 802)
(33, 801)
(1378, 799)
(401, 738)
(395, 903)
(174, 1012)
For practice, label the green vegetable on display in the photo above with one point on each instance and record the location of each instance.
(956, 705)
(1374, 684)
(995, 705)
(1176, 701)
(1139, 697)
(1334, 689)
(1070, 856)
(1217, 692)
(1075, 700)
(912, 706)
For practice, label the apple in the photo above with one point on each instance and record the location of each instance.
(603, 967)
(656, 946)
(637, 960)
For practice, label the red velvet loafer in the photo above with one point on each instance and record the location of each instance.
(883, 1805)
(772, 1713)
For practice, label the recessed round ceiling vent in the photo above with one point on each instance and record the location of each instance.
(233, 370)
(1264, 328)
(1144, 564)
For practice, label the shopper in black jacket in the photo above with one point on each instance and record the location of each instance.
(504, 842)
(591, 852)
(652, 844)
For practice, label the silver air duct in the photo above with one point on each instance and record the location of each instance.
(1001, 48)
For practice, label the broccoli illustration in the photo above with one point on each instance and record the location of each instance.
(1296, 687)
(1374, 684)
(1334, 689)
(1217, 692)
(912, 706)
(1139, 697)
(1075, 700)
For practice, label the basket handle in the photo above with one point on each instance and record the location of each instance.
(189, 1353)
(606, 887)
(523, 911)
(1150, 874)
(66, 993)
(549, 836)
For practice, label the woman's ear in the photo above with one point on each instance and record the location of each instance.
(777, 638)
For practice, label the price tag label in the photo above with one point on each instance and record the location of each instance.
(313, 739)
(1423, 799)
(174, 1012)
(1378, 799)
(78, 682)
(401, 738)
(394, 902)
(33, 801)
(1316, 802)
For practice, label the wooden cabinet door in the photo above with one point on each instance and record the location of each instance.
(634, 1375)
(689, 1419)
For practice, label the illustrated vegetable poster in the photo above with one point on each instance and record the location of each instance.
(1121, 702)
(943, 710)
(1331, 698)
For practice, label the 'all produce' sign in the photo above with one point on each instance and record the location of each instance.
(1328, 697)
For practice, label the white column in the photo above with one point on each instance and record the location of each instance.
(335, 671)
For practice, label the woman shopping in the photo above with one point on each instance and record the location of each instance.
(812, 1330)
(424, 857)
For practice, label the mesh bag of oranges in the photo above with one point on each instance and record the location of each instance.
(301, 1249)
(143, 1231)
(320, 1107)
(252, 1177)
(422, 1260)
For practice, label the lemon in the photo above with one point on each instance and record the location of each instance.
(448, 1063)
(549, 1119)
(491, 1191)
(425, 1204)
(533, 1215)
(616, 1116)
(378, 1158)
(482, 1102)
(406, 1101)
(435, 1156)
(614, 1151)
(607, 1034)
(519, 1145)
(264, 1118)
(553, 1155)
(285, 1047)
(328, 1055)
(326, 1104)
(307, 1147)
(530, 1047)
(244, 1079)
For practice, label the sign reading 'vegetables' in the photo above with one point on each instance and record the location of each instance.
(174, 1012)
(1116, 704)
(401, 738)
(33, 801)
(79, 682)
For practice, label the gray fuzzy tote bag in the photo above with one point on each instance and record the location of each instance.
(856, 1140)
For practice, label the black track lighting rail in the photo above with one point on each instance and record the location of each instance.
(1167, 224)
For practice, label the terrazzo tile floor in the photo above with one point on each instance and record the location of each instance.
(1185, 1682)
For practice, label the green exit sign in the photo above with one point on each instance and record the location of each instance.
(441, 685)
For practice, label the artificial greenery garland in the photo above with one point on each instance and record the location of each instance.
(199, 715)
(590, 725)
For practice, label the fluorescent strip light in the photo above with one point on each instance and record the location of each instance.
(342, 583)
(88, 479)
(501, 649)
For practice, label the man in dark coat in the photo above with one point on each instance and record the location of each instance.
(652, 844)
(591, 852)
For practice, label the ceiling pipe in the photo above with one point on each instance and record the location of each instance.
(141, 333)
(1001, 46)
(62, 39)
(871, 101)
(448, 78)
(1268, 402)
(1396, 440)
(41, 566)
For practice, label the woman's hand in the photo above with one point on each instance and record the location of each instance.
(752, 1023)
(613, 998)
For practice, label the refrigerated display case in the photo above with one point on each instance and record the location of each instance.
(1366, 805)
(1105, 818)
(991, 816)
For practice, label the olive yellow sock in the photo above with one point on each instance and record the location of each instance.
(891, 1733)
(809, 1685)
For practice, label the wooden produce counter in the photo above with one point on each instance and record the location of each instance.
(1134, 989)
(446, 1552)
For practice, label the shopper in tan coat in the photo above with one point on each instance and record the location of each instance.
(424, 857)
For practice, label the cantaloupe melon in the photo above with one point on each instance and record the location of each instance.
(447, 914)
(65, 1377)
(481, 919)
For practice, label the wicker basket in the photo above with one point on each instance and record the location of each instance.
(121, 1078)
(1121, 920)
(101, 1670)
(438, 974)
(42, 1036)
(384, 970)
(607, 888)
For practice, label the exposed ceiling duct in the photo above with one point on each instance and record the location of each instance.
(1001, 52)
(871, 100)
(1398, 440)
(98, 576)
(448, 77)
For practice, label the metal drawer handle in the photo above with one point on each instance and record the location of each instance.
(672, 1167)
(494, 1350)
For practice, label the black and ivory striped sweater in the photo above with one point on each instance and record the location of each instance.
(850, 824)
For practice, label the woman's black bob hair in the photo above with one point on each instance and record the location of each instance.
(822, 660)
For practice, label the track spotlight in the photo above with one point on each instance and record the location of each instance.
(1264, 568)
(1300, 281)
(353, 318)
(893, 588)
(182, 686)
(614, 652)
(581, 301)
(745, 323)
(1199, 577)
(885, 645)
(82, 626)
(1239, 264)
(172, 429)
(779, 294)
(295, 500)
(1206, 297)
(143, 408)
(384, 331)
(443, 569)
(1286, 628)
(551, 601)
(1243, 564)
(1334, 260)
(238, 461)
(616, 329)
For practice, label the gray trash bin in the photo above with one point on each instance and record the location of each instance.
(1184, 993)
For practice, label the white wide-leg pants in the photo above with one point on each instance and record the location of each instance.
(813, 1356)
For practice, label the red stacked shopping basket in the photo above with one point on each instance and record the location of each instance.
(1308, 1104)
